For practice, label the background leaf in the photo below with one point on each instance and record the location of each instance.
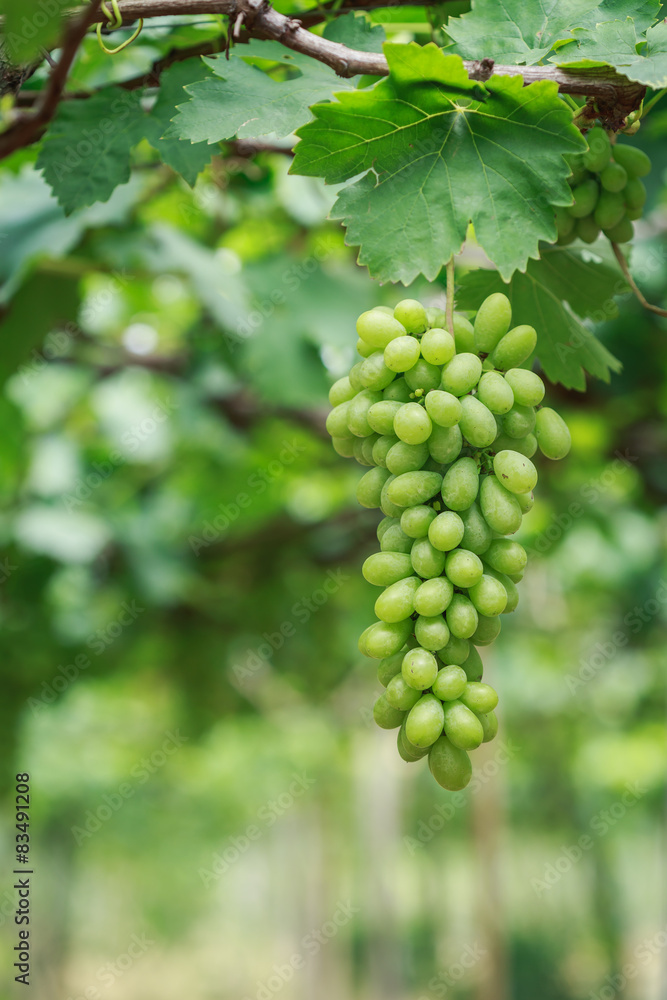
(615, 44)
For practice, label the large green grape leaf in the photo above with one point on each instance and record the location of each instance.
(615, 44)
(242, 100)
(186, 158)
(439, 151)
(85, 154)
(520, 32)
(555, 294)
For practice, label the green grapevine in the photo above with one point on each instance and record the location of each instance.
(607, 189)
(448, 424)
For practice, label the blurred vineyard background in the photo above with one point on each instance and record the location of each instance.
(214, 815)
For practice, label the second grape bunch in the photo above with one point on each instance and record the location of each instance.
(448, 424)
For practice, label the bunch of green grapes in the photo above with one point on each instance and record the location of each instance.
(448, 425)
(607, 189)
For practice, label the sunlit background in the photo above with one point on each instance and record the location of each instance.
(214, 814)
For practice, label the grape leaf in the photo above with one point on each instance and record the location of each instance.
(187, 159)
(29, 26)
(520, 32)
(241, 100)
(615, 44)
(554, 295)
(86, 151)
(438, 151)
(356, 32)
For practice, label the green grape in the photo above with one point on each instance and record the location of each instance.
(399, 391)
(367, 445)
(377, 328)
(461, 616)
(369, 487)
(358, 451)
(527, 387)
(381, 449)
(463, 568)
(395, 604)
(423, 375)
(341, 391)
(386, 505)
(506, 556)
(564, 221)
(385, 524)
(460, 484)
(477, 534)
(437, 346)
(473, 666)
(445, 443)
(598, 154)
(385, 716)
(464, 336)
(495, 393)
(354, 376)
(427, 561)
(412, 315)
(511, 593)
(443, 408)
(526, 500)
(431, 632)
(401, 695)
(634, 194)
(446, 531)
(462, 727)
(401, 354)
(622, 232)
(477, 423)
(516, 472)
(395, 540)
(613, 177)
(519, 421)
(357, 414)
(419, 668)
(412, 488)
(344, 446)
(435, 317)
(461, 374)
(492, 322)
(585, 199)
(374, 374)
(386, 638)
(486, 631)
(415, 521)
(610, 209)
(409, 753)
(587, 229)
(488, 595)
(412, 424)
(388, 667)
(456, 651)
(515, 348)
(449, 765)
(553, 436)
(450, 683)
(337, 421)
(364, 349)
(384, 568)
(499, 507)
(634, 161)
(425, 721)
(433, 597)
(489, 725)
(477, 697)
(403, 457)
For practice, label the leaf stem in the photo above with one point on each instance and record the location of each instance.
(623, 264)
(449, 308)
